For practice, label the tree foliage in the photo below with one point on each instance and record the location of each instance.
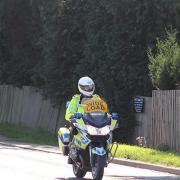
(20, 29)
(165, 63)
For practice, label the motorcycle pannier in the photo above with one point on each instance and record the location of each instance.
(63, 139)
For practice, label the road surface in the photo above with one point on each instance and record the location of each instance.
(23, 164)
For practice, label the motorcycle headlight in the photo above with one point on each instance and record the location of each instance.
(98, 131)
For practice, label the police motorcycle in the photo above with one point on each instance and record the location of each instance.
(91, 146)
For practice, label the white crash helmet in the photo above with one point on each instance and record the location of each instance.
(86, 86)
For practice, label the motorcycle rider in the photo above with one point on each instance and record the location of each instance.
(86, 88)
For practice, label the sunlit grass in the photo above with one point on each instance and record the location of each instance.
(168, 158)
(26, 134)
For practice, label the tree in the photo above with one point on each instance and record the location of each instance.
(165, 63)
(19, 33)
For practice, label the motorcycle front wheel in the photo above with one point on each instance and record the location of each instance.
(78, 171)
(98, 167)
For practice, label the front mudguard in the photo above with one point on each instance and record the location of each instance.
(99, 151)
(96, 151)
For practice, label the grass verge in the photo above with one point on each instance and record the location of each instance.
(26, 134)
(168, 158)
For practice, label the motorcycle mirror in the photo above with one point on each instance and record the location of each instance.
(114, 115)
(78, 115)
(67, 104)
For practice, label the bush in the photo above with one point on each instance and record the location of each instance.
(165, 63)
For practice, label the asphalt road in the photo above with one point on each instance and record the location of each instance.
(23, 164)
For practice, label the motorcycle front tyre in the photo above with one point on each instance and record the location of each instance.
(98, 167)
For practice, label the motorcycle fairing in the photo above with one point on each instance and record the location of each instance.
(79, 123)
(64, 135)
(81, 141)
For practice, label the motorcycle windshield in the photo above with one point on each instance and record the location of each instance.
(97, 119)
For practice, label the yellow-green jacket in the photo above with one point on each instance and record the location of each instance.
(75, 106)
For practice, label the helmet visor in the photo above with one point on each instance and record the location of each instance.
(87, 88)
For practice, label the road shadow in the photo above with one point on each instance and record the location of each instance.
(9, 147)
(28, 146)
(143, 177)
(72, 178)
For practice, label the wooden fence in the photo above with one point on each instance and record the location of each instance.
(160, 123)
(166, 118)
(27, 107)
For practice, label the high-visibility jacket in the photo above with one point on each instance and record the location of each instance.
(76, 106)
